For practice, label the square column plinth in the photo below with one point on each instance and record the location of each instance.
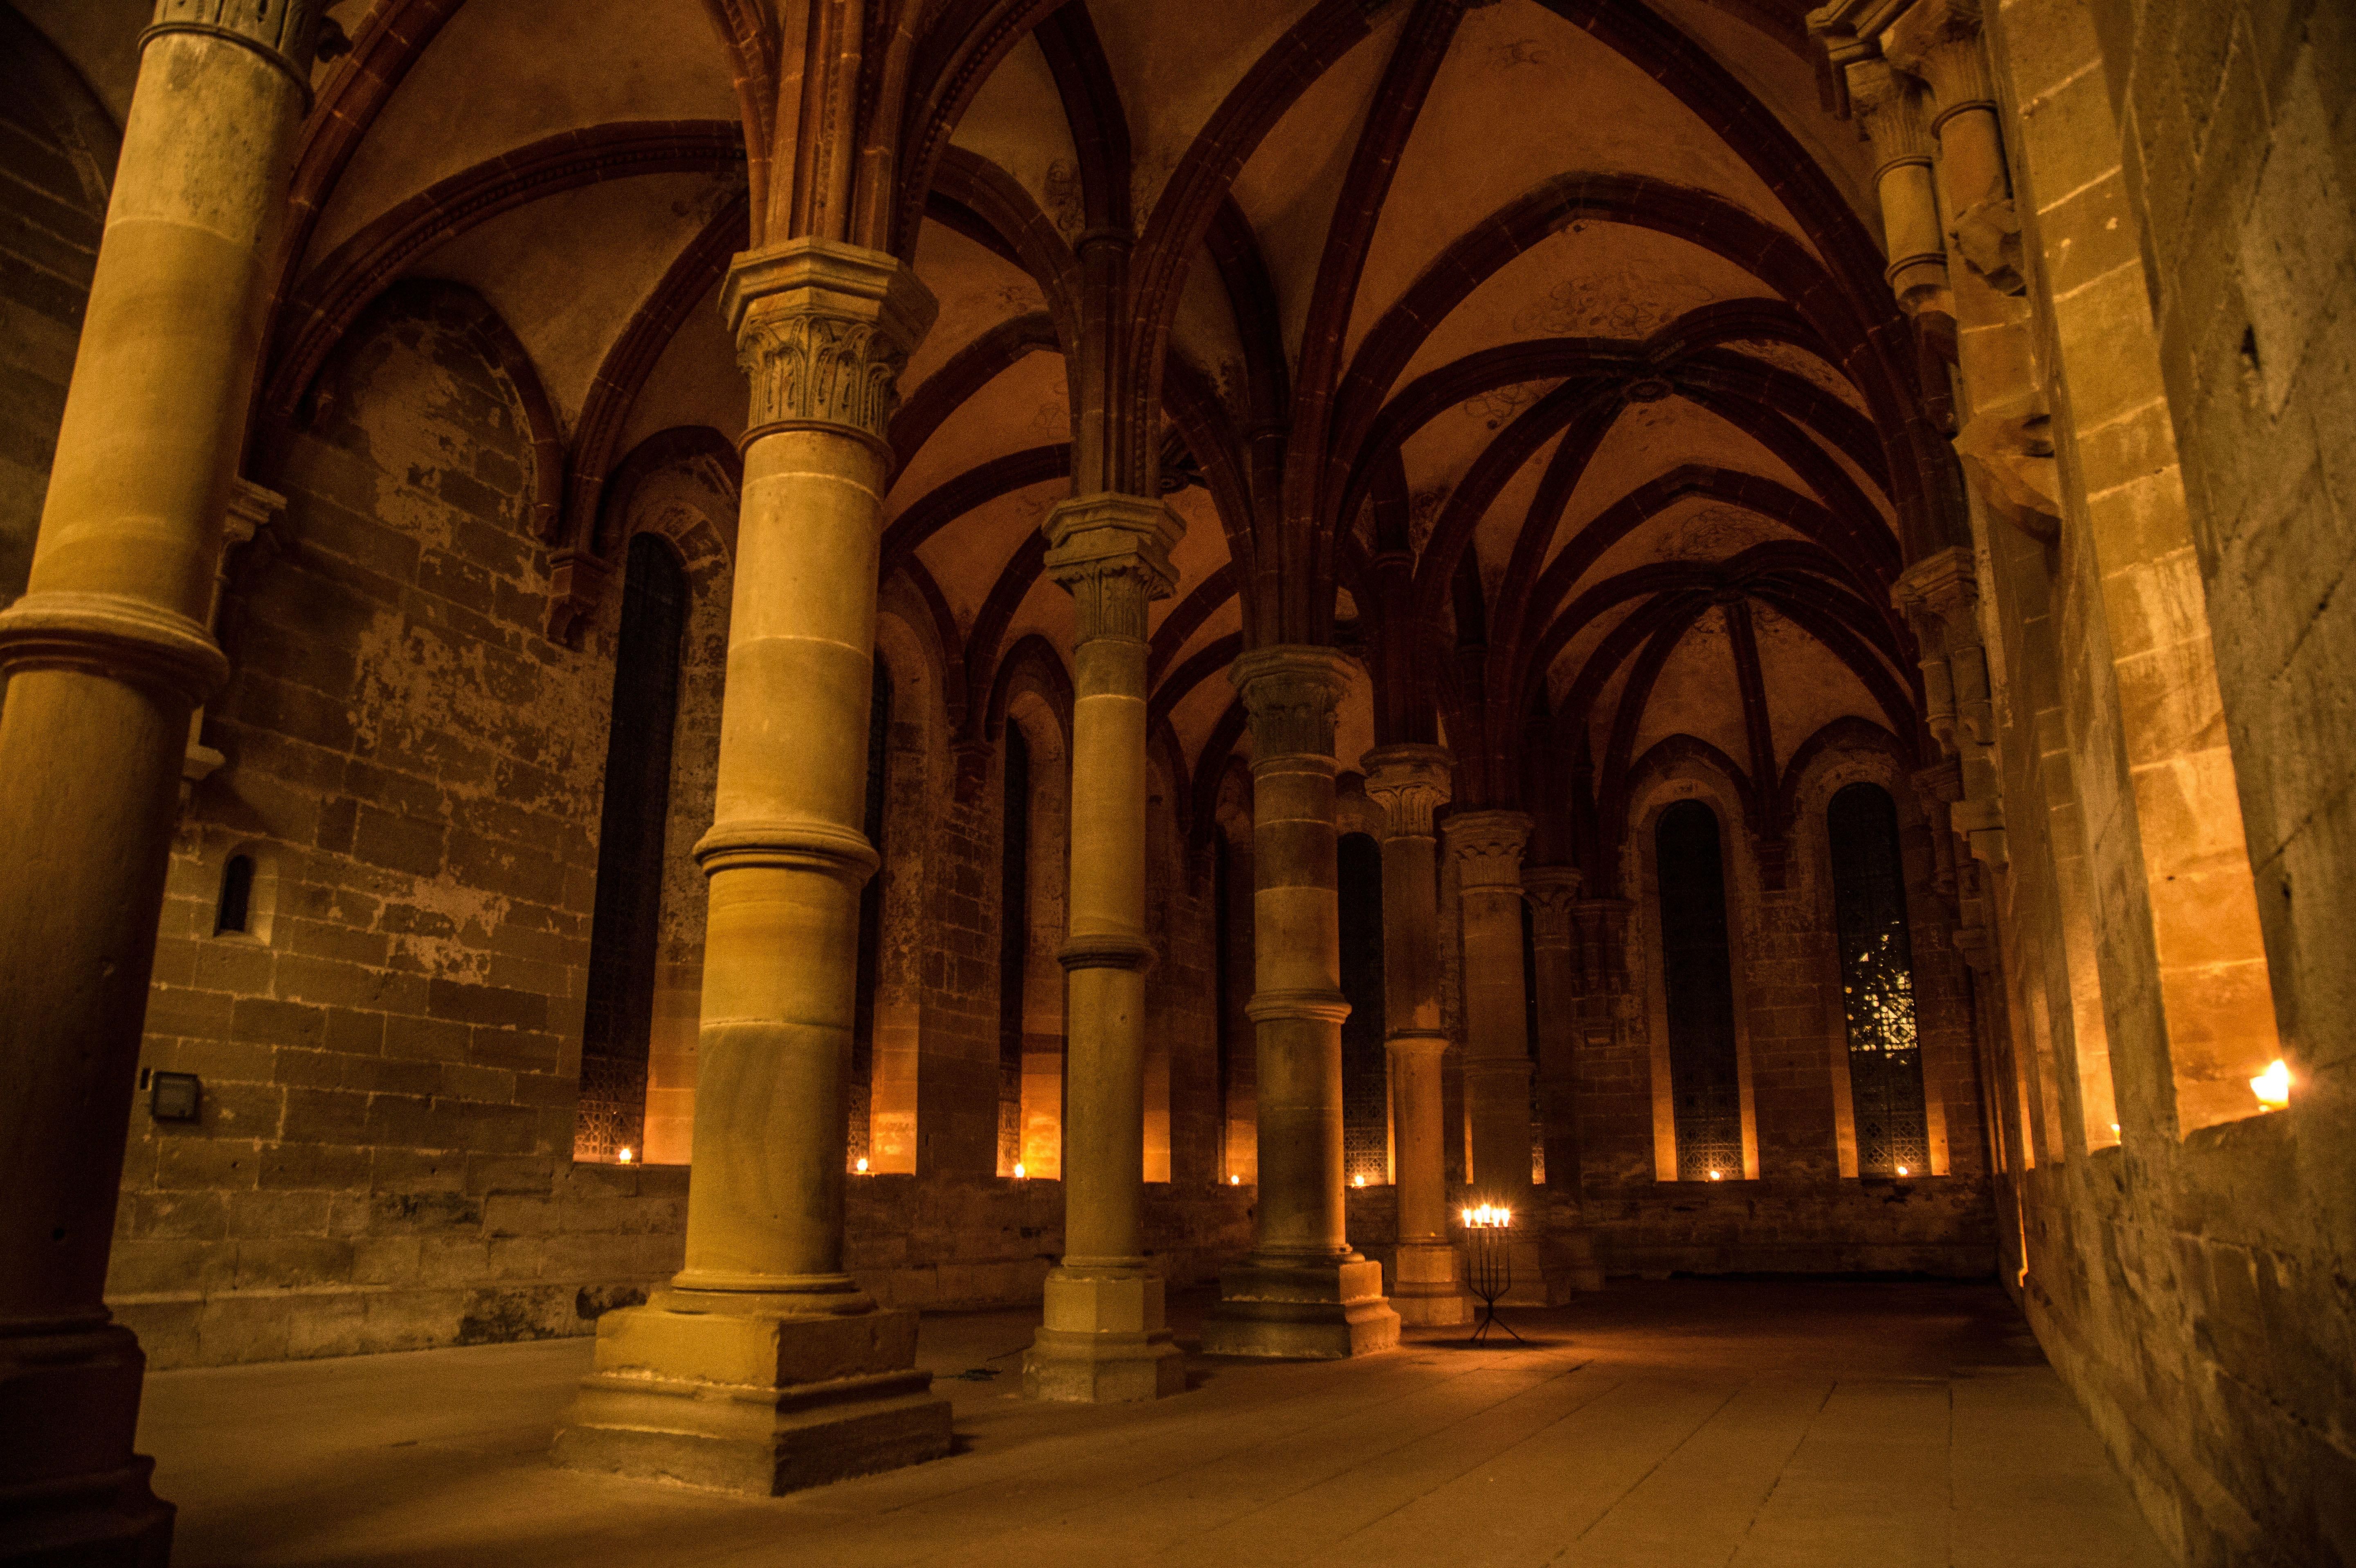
(754, 1401)
(1300, 1311)
(1103, 1340)
(1427, 1285)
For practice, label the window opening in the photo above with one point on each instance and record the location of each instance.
(1366, 1076)
(625, 927)
(1014, 944)
(1885, 1057)
(1530, 1038)
(870, 918)
(236, 907)
(1704, 1081)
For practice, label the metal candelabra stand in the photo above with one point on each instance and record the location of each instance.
(1489, 1248)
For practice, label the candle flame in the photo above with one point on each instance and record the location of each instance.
(1901, 1170)
(626, 1155)
(860, 1166)
(1357, 1181)
(1488, 1218)
(1235, 1181)
(2273, 1087)
(1717, 1176)
(1020, 1172)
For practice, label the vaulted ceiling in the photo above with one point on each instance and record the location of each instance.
(1548, 333)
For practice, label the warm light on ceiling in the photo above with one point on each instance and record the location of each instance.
(2273, 1087)
(626, 1155)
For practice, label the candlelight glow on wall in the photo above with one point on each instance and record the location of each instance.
(2273, 1087)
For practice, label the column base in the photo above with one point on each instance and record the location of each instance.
(1103, 1340)
(755, 1398)
(1301, 1310)
(76, 1494)
(1427, 1285)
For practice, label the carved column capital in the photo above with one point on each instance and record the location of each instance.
(1889, 103)
(1939, 40)
(1944, 583)
(1112, 553)
(1553, 893)
(1409, 783)
(1290, 691)
(823, 331)
(1488, 847)
(284, 32)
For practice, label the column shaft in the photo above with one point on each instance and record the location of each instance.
(106, 656)
(1553, 893)
(1302, 1292)
(1104, 1338)
(1411, 783)
(819, 1384)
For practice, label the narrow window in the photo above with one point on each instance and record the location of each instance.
(625, 929)
(1365, 1077)
(236, 896)
(1885, 1063)
(1013, 945)
(870, 917)
(1530, 1038)
(1221, 984)
(1704, 1081)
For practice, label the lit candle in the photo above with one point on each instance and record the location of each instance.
(626, 1155)
(1901, 1170)
(1235, 1181)
(1717, 1176)
(1019, 1171)
(862, 1165)
(1357, 1181)
(2273, 1087)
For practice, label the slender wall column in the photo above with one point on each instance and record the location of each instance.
(1553, 893)
(1409, 783)
(1302, 1292)
(106, 656)
(1104, 1338)
(762, 1367)
(1497, 1080)
(1890, 105)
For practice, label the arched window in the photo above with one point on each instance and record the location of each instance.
(625, 929)
(1705, 1080)
(1014, 944)
(1877, 954)
(1366, 1076)
(870, 915)
(235, 911)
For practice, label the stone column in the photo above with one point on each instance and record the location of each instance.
(1488, 849)
(1890, 105)
(105, 658)
(1409, 783)
(1302, 1292)
(1104, 1338)
(762, 1368)
(1553, 893)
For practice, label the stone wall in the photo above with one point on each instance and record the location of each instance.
(2190, 1282)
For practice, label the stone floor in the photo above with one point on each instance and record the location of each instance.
(1670, 1424)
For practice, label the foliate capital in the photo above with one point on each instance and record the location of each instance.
(1889, 103)
(284, 32)
(1409, 783)
(1291, 691)
(1553, 893)
(1944, 583)
(1112, 553)
(1488, 847)
(1939, 40)
(823, 331)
